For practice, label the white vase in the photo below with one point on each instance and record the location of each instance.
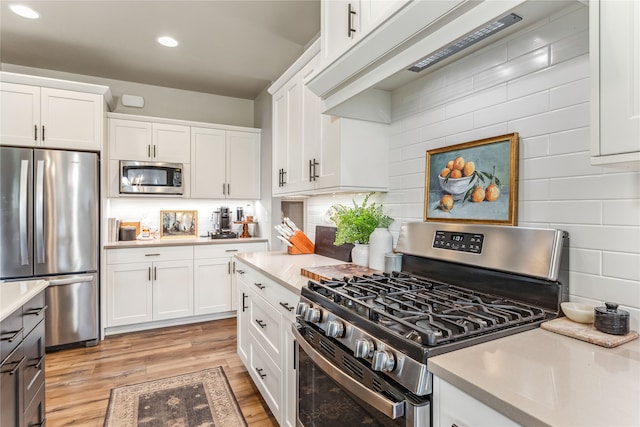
(380, 243)
(360, 254)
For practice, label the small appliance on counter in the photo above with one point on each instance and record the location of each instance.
(222, 221)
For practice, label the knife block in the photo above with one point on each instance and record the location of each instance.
(301, 244)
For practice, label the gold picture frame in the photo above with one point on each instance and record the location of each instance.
(453, 175)
(178, 224)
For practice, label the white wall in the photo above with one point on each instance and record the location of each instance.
(536, 83)
(161, 101)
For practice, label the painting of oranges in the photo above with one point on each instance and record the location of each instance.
(475, 181)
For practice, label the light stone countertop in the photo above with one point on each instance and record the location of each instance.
(13, 295)
(285, 268)
(535, 377)
(539, 378)
(179, 242)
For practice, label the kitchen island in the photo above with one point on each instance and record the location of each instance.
(535, 377)
(14, 295)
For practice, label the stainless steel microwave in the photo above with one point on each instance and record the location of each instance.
(150, 177)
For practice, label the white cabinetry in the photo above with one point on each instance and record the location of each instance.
(148, 284)
(453, 407)
(214, 276)
(50, 118)
(148, 141)
(265, 316)
(225, 164)
(614, 31)
(315, 153)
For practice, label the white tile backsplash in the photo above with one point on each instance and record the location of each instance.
(542, 92)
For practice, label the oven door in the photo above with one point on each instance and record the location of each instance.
(349, 395)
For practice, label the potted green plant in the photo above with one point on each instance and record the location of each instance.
(356, 223)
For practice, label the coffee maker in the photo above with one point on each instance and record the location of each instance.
(222, 222)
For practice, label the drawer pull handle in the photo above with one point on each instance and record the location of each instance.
(231, 250)
(38, 364)
(151, 254)
(240, 271)
(36, 311)
(15, 368)
(286, 306)
(260, 286)
(261, 323)
(13, 337)
(259, 371)
(244, 298)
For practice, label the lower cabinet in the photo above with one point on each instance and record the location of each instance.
(451, 406)
(266, 311)
(22, 382)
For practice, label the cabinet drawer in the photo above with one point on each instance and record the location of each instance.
(33, 370)
(33, 312)
(267, 377)
(35, 414)
(226, 250)
(11, 333)
(150, 254)
(265, 324)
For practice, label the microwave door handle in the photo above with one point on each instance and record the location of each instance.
(22, 212)
(39, 206)
(390, 408)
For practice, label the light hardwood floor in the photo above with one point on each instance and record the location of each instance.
(79, 380)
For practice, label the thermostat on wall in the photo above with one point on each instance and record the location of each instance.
(132, 101)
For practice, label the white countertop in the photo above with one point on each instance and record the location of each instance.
(179, 242)
(285, 268)
(14, 294)
(543, 378)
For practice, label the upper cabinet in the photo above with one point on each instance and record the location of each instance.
(148, 141)
(315, 153)
(225, 164)
(34, 116)
(614, 31)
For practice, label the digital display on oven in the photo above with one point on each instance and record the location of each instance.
(463, 242)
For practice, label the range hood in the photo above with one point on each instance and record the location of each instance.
(358, 84)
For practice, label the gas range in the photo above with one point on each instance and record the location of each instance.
(460, 285)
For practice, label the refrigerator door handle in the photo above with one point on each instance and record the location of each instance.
(69, 281)
(24, 182)
(39, 206)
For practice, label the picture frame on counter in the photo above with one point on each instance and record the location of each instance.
(473, 182)
(178, 224)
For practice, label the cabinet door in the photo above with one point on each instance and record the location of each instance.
(619, 77)
(130, 140)
(71, 119)
(19, 114)
(129, 293)
(33, 370)
(375, 12)
(11, 394)
(172, 289)
(287, 146)
(244, 310)
(172, 143)
(212, 285)
(280, 123)
(289, 373)
(208, 163)
(311, 117)
(243, 165)
(336, 22)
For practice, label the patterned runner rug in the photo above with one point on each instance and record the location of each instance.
(202, 399)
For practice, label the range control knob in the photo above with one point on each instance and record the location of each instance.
(301, 308)
(383, 361)
(364, 348)
(312, 315)
(335, 329)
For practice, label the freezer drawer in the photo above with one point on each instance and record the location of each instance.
(72, 314)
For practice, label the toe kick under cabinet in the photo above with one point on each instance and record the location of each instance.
(266, 311)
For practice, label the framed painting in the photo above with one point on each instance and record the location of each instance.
(473, 182)
(178, 224)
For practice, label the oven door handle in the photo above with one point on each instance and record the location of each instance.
(389, 408)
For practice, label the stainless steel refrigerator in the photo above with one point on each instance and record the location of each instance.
(49, 229)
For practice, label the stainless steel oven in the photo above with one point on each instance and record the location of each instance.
(362, 343)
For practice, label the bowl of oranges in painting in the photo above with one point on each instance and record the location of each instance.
(457, 177)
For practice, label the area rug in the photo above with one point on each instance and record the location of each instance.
(202, 399)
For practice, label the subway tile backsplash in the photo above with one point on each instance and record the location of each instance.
(535, 82)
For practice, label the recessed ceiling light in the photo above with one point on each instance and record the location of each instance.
(167, 41)
(24, 11)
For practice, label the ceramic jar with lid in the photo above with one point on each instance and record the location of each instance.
(610, 320)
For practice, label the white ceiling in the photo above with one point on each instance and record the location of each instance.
(231, 48)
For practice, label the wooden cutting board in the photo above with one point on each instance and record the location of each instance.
(338, 271)
(587, 332)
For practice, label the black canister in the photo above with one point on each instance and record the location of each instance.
(610, 320)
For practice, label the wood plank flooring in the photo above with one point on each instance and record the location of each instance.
(79, 381)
